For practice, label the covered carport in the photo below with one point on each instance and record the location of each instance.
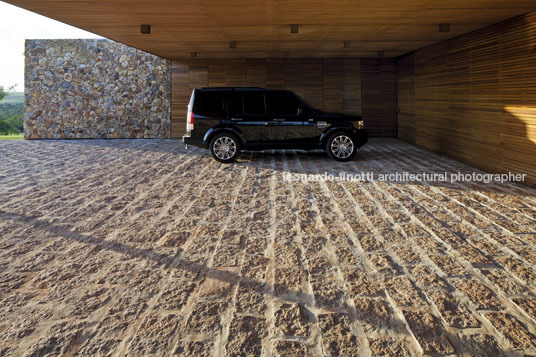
(453, 77)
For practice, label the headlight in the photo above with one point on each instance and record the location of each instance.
(359, 124)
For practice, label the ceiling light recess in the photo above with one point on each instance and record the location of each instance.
(444, 27)
(145, 29)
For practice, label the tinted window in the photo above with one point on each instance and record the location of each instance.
(254, 103)
(237, 106)
(210, 104)
(283, 104)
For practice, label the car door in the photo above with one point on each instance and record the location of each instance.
(247, 113)
(286, 119)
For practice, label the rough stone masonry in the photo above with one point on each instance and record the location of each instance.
(94, 89)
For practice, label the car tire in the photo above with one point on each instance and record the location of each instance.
(341, 146)
(224, 147)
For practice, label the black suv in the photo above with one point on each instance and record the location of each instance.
(227, 120)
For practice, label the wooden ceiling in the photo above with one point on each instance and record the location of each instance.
(261, 28)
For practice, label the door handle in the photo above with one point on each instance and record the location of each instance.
(266, 123)
(311, 119)
(278, 119)
(237, 119)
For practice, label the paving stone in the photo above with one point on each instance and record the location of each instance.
(481, 345)
(358, 283)
(518, 268)
(141, 247)
(427, 278)
(447, 265)
(503, 281)
(452, 310)
(527, 305)
(513, 331)
(388, 347)
(245, 335)
(384, 264)
(195, 348)
(24, 325)
(174, 295)
(480, 295)
(328, 292)
(403, 292)
(292, 319)
(122, 314)
(289, 281)
(154, 334)
(59, 340)
(337, 338)
(374, 314)
(406, 254)
(427, 330)
(205, 316)
(250, 298)
(99, 347)
(285, 348)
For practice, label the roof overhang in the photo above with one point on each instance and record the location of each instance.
(346, 28)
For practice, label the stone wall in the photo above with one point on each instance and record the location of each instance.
(95, 89)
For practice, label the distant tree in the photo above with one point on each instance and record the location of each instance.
(13, 125)
(4, 93)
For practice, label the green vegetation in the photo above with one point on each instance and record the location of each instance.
(12, 137)
(11, 115)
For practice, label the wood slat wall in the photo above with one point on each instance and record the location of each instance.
(474, 97)
(327, 84)
(379, 96)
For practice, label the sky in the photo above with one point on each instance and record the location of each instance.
(16, 25)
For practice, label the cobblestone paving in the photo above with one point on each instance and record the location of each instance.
(141, 247)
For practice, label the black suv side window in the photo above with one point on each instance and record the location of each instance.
(236, 105)
(283, 104)
(211, 104)
(254, 103)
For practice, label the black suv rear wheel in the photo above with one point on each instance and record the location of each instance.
(341, 146)
(224, 147)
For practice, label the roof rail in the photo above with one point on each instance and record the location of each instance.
(228, 88)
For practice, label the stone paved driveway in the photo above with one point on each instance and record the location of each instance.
(140, 247)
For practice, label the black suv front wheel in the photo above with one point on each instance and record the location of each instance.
(224, 147)
(341, 146)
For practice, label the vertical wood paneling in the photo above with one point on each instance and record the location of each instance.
(379, 96)
(474, 97)
(236, 72)
(198, 73)
(313, 91)
(333, 85)
(217, 73)
(351, 82)
(294, 76)
(406, 99)
(275, 73)
(256, 73)
(327, 84)
(180, 95)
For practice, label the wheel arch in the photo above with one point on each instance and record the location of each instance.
(214, 131)
(326, 135)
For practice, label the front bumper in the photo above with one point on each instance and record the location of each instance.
(362, 137)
